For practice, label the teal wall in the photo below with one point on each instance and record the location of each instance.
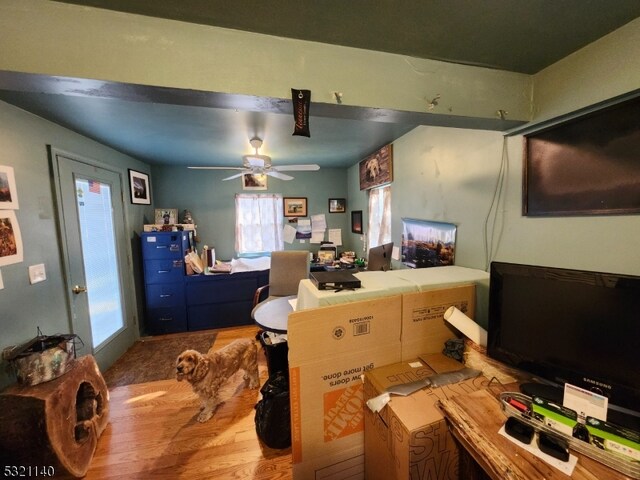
(212, 201)
(440, 174)
(450, 175)
(24, 307)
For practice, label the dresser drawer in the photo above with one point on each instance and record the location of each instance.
(219, 315)
(164, 271)
(165, 295)
(163, 245)
(229, 289)
(166, 320)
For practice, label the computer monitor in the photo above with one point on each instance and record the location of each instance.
(380, 257)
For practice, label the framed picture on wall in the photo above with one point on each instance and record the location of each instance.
(166, 216)
(337, 205)
(356, 221)
(8, 192)
(295, 206)
(377, 168)
(428, 244)
(140, 188)
(10, 239)
(254, 181)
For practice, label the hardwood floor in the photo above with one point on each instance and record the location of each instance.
(153, 432)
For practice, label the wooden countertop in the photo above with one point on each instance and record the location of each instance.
(475, 420)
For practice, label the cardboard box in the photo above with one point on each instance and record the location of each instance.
(409, 438)
(424, 328)
(329, 350)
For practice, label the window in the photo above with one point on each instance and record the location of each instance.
(379, 216)
(258, 223)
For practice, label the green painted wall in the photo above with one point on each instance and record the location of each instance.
(450, 175)
(24, 307)
(212, 201)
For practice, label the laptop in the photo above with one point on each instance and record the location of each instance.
(336, 280)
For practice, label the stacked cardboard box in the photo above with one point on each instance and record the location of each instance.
(409, 438)
(330, 348)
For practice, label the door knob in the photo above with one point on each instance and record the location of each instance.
(78, 289)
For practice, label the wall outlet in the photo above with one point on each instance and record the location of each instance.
(37, 273)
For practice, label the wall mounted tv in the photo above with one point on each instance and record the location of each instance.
(585, 166)
(568, 326)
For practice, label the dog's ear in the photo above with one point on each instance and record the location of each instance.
(201, 367)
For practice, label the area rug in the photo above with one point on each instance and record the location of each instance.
(154, 358)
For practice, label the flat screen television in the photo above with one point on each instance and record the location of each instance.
(569, 326)
(380, 257)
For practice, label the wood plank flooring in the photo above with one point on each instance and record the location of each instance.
(153, 432)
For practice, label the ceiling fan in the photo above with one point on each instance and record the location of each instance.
(261, 164)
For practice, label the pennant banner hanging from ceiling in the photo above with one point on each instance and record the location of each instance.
(301, 101)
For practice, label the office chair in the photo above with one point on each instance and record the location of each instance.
(286, 271)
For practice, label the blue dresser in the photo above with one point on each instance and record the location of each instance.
(176, 302)
(163, 257)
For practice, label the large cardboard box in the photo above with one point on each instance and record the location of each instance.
(329, 350)
(409, 438)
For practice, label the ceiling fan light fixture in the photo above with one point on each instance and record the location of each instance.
(256, 143)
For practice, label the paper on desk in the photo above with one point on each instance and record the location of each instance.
(564, 467)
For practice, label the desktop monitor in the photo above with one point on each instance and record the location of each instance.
(380, 257)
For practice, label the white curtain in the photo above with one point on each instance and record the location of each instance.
(259, 223)
(379, 216)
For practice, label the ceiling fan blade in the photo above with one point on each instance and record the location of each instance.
(237, 175)
(297, 168)
(276, 174)
(217, 168)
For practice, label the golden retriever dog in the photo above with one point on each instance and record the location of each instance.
(208, 372)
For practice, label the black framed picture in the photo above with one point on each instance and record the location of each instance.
(356, 221)
(337, 205)
(295, 206)
(140, 188)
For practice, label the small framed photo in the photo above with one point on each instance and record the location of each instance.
(295, 206)
(166, 216)
(254, 181)
(377, 168)
(140, 188)
(10, 239)
(337, 205)
(8, 192)
(356, 222)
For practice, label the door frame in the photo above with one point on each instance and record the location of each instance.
(128, 283)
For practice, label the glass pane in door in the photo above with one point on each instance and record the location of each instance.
(100, 259)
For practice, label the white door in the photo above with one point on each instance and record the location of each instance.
(92, 224)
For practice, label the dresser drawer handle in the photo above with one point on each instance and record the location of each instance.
(167, 319)
(161, 246)
(165, 295)
(164, 271)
